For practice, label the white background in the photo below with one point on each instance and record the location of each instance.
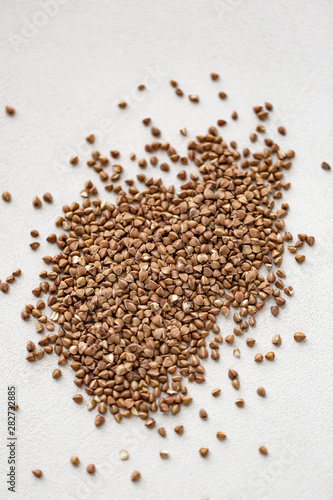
(64, 69)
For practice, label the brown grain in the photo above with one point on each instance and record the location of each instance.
(261, 392)
(6, 196)
(299, 336)
(239, 402)
(75, 460)
(48, 197)
(204, 452)
(10, 110)
(36, 202)
(91, 469)
(135, 476)
(220, 436)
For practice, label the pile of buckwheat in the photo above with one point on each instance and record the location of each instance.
(137, 285)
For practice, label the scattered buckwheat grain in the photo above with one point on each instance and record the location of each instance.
(10, 110)
(325, 166)
(135, 476)
(75, 460)
(123, 455)
(36, 202)
(239, 402)
(48, 197)
(6, 196)
(276, 340)
(299, 336)
(220, 436)
(91, 469)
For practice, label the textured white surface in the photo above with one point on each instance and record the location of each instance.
(64, 70)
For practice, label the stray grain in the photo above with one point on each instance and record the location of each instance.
(325, 166)
(276, 340)
(48, 197)
(91, 469)
(135, 476)
(204, 452)
(299, 336)
(263, 450)
(261, 392)
(36, 202)
(6, 196)
(123, 455)
(75, 460)
(239, 402)
(56, 373)
(10, 110)
(220, 436)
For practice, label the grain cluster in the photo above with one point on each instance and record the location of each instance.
(137, 285)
